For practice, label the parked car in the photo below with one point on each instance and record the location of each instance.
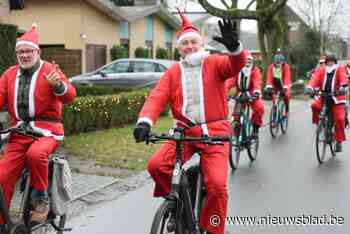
(125, 73)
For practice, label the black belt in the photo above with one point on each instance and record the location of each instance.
(42, 118)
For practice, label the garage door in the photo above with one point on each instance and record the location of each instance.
(96, 56)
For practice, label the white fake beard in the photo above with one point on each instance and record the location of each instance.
(331, 68)
(196, 58)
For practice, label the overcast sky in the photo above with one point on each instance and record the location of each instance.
(340, 27)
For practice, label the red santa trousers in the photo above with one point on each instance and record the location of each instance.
(214, 165)
(338, 112)
(21, 152)
(286, 97)
(257, 112)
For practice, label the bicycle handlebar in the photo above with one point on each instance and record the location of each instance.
(153, 138)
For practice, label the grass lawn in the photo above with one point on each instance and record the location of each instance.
(114, 148)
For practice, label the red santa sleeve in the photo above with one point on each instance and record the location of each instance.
(269, 80)
(68, 92)
(287, 76)
(230, 65)
(230, 83)
(342, 78)
(156, 101)
(3, 90)
(314, 82)
(256, 77)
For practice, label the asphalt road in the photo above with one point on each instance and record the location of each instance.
(286, 183)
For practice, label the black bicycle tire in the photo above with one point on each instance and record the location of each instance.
(61, 223)
(234, 154)
(284, 122)
(272, 131)
(320, 127)
(161, 211)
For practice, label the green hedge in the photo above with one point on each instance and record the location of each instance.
(8, 35)
(118, 52)
(99, 112)
(141, 52)
(98, 90)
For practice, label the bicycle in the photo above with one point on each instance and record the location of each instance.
(325, 128)
(241, 131)
(180, 211)
(25, 226)
(278, 118)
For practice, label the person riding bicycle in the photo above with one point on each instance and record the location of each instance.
(332, 80)
(321, 63)
(279, 78)
(195, 90)
(249, 80)
(33, 92)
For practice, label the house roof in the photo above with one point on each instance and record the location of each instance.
(136, 12)
(109, 8)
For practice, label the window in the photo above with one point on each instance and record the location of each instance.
(120, 67)
(144, 67)
(161, 68)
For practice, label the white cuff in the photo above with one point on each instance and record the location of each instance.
(64, 92)
(145, 119)
(238, 50)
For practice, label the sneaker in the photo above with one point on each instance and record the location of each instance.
(338, 147)
(255, 133)
(2, 229)
(40, 211)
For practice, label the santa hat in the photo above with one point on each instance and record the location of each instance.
(29, 38)
(187, 29)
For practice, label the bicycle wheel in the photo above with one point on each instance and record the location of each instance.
(234, 153)
(321, 141)
(161, 223)
(253, 144)
(60, 222)
(274, 121)
(283, 118)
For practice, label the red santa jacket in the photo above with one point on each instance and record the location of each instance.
(215, 69)
(253, 81)
(43, 103)
(318, 81)
(286, 76)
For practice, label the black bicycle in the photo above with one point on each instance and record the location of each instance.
(325, 128)
(241, 131)
(24, 225)
(180, 212)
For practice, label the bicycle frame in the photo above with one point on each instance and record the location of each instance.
(181, 189)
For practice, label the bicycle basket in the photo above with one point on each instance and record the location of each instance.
(61, 187)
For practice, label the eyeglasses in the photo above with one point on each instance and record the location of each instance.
(22, 52)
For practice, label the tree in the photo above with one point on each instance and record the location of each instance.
(272, 27)
(321, 16)
(305, 54)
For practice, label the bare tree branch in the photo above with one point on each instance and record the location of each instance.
(249, 4)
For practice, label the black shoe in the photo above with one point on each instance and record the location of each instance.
(255, 133)
(2, 229)
(338, 147)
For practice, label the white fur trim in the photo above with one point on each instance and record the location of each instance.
(238, 50)
(145, 119)
(268, 86)
(27, 43)
(202, 106)
(188, 34)
(45, 132)
(64, 92)
(31, 91)
(16, 94)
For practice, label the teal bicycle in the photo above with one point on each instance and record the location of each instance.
(278, 118)
(241, 131)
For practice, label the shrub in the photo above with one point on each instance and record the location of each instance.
(98, 90)
(91, 113)
(141, 52)
(8, 35)
(162, 53)
(177, 54)
(118, 52)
